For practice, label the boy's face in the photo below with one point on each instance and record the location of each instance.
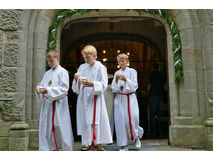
(122, 63)
(89, 59)
(53, 62)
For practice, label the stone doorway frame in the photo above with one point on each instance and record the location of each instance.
(172, 86)
(186, 115)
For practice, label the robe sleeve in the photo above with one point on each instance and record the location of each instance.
(101, 86)
(131, 84)
(75, 87)
(115, 87)
(60, 91)
(40, 97)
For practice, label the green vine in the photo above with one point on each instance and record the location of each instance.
(176, 41)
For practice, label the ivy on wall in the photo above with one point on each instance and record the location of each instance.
(176, 41)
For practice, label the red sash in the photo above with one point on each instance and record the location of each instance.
(94, 116)
(53, 127)
(129, 114)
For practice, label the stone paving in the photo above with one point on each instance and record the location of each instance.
(147, 145)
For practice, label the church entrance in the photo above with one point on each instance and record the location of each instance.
(142, 39)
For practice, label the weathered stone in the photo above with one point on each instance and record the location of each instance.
(19, 137)
(209, 134)
(183, 20)
(208, 57)
(15, 109)
(4, 143)
(34, 124)
(189, 82)
(199, 120)
(11, 54)
(210, 12)
(15, 36)
(210, 103)
(206, 37)
(188, 58)
(181, 135)
(12, 111)
(209, 123)
(33, 139)
(1, 54)
(9, 19)
(1, 39)
(209, 130)
(189, 39)
(209, 80)
(39, 59)
(40, 40)
(209, 142)
(18, 144)
(8, 81)
(19, 126)
(175, 12)
(188, 103)
(4, 129)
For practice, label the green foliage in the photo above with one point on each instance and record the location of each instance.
(53, 30)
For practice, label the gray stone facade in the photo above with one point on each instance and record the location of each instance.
(23, 44)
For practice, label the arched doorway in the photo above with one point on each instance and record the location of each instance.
(143, 39)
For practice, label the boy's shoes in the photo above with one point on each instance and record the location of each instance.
(100, 149)
(137, 143)
(85, 148)
(124, 148)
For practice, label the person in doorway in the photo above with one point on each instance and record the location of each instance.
(156, 88)
(90, 83)
(126, 112)
(55, 130)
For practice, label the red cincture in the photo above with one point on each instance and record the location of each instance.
(53, 127)
(94, 115)
(129, 114)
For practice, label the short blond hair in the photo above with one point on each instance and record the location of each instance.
(122, 56)
(52, 54)
(89, 50)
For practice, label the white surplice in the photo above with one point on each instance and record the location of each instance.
(121, 117)
(57, 83)
(85, 104)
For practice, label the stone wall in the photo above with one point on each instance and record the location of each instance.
(12, 71)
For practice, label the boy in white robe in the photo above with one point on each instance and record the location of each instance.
(55, 130)
(90, 83)
(126, 112)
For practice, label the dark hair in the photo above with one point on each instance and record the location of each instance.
(155, 66)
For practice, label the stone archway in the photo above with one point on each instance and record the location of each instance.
(188, 101)
(187, 106)
(178, 116)
(144, 38)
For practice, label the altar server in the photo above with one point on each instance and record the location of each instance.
(126, 112)
(55, 130)
(90, 83)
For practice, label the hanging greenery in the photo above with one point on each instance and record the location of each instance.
(176, 41)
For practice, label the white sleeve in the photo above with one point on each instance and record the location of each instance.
(75, 87)
(101, 86)
(115, 87)
(58, 92)
(40, 97)
(131, 84)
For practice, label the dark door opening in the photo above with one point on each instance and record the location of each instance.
(141, 57)
(143, 39)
